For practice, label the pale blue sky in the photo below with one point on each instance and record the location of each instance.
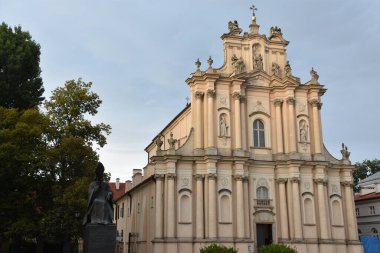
(139, 53)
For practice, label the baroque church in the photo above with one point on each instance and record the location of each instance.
(243, 164)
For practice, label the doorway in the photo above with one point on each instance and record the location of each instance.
(263, 235)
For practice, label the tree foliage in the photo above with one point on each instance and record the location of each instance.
(277, 248)
(22, 171)
(47, 161)
(20, 82)
(365, 169)
(214, 248)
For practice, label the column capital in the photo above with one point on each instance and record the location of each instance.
(171, 176)
(199, 177)
(211, 93)
(320, 181)
(199, 94)
(315, 103)
(239, 177)
(347, 184)
(278, 102)
(295, 179)
(236, 95)
(159, 176)
(281, 180)
(290, 100)
(212, 176)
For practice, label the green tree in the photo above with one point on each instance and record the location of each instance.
(20, 82)
(365, 169)
(23, 177)
(72, 156)
(277, 248)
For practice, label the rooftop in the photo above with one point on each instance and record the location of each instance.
(372, 195)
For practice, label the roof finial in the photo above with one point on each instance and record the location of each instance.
(198, 64)
(253, 8)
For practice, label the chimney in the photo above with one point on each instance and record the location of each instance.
(137, 176)
(117, 184)
(128, 185)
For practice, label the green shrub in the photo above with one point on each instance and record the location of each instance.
(277, 248)
(213, 248)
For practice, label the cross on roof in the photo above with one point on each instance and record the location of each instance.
(253, 8)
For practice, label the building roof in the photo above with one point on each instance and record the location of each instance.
(371, 178)
(372, 195)
(117, 193)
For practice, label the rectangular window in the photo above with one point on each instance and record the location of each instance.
(357, 212)
(122, 210)
(372, 210)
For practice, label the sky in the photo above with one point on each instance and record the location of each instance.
(138, 54)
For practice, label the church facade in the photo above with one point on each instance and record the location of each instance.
(244, 163)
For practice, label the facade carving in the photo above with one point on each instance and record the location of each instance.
(252, 167)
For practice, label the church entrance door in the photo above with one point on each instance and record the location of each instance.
(264, 235)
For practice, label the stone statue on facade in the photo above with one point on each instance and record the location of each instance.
(172, 142)
(100, 202)
(258, 62)
(303, 132)
(233, 27)
(288, 69)
(314, 75)
(345, 153)
(223, 127)
(275, 31)
(238, 64)
(276, 69)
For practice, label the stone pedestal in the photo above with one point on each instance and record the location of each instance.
(100, 238)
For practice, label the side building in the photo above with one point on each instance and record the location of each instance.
(244, 163)
(367, 204)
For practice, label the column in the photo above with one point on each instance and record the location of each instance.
(316, 105)
(211, 206)
(296, 208)
(159, 206)
(280, 141)
(283, 208)
(236, 96)
(292, 128)
(243, 99)
(199, 207)
(246, 207)
(349, 203)
(322, 208)
(171, 208)
(239, 206)
(198, 122)
(211, 126)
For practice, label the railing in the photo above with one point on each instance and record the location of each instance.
(263, 203)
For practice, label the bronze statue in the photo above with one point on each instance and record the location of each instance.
(100, 203)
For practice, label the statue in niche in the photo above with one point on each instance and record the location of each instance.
(172, 141)
(345, 153)
(276, 69)
(223, 127)
(288, 69)
(233, 27)
(238, 64)
(275, 31)
(257, 59)
(100, 202)
(303, 131)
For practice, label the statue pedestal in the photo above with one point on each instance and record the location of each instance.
(100, 238)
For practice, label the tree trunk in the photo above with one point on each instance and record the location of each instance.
(40, 245)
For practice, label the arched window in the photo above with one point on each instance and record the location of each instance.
(337, 217)
(258, 134)
(185, 207)
(262, 192)
(374, 231)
